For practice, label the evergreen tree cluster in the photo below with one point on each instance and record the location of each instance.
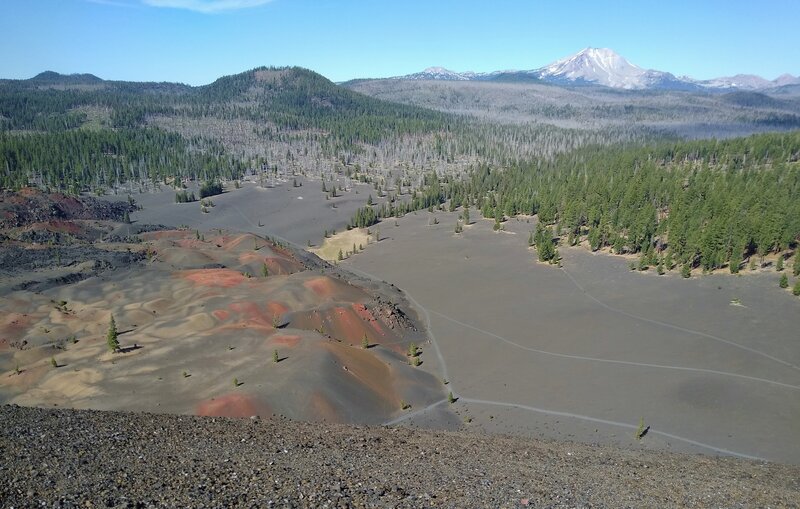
(210, 188)
(543, 240)
(699, 204)
(80, 160)
(185, 196)
(364, 217)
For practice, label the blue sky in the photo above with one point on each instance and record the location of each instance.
(196, 41)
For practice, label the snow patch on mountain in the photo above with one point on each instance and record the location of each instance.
(436, 73)
(738, 82)
(786, 79)
(749, 82)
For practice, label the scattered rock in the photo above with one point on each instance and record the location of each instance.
(151, 460)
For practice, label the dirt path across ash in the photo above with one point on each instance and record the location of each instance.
(584, 353)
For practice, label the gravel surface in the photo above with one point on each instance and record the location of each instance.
(16, 260)
(68, 458)
(32, 206)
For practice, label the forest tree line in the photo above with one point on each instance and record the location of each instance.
(80, 160)
(701, 204)
(707, 204)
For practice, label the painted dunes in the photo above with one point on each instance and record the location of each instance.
(200, 322)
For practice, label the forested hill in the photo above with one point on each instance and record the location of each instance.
(80, 132)
(704, 204)
(295, 97)
(54, 78)
(289, 97)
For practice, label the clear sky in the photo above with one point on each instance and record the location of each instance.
(196, 41)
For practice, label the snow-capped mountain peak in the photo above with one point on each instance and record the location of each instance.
(601, 66)
(590, 59)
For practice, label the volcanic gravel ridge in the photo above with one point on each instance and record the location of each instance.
(78, 458)
(31, 205)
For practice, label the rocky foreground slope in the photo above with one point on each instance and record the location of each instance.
(68, 458)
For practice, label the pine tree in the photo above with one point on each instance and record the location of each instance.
(543, 239)
(779, 263)
(594, 238)
(264, 270)
(736, 261)
(111, 336)
(275, 357)
(796, 289)
(365, 342)
(643, 262)
(796, 264)
(668, 260)
(784, 281)
(619, 244)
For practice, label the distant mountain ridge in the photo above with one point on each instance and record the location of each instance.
(604, 67)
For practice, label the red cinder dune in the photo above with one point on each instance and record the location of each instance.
(283, 340)
(225, 278)
(221, 314)
(233, 405)
(322, 286)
